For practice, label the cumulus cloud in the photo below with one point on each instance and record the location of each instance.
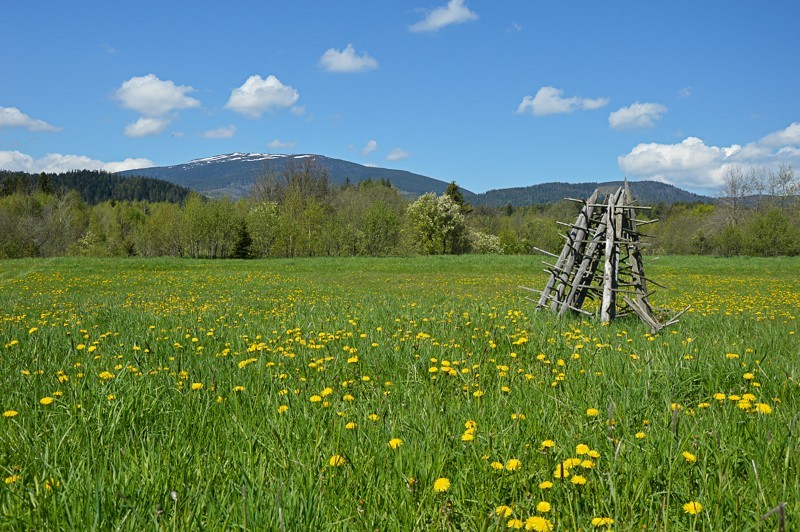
(220, 133)
(58, 163)
(636, 116)
(347, 60)
(550, 100)
(685, 92)
(258, 95)
(146, 127)
(397, 154)
(13, 117)
(279, 144)
(694, 164)
(455, 12)
(153, 97)
(370, 147)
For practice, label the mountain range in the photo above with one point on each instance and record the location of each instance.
(233, 175)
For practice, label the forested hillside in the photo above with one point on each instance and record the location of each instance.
(93, 186)
(645, 193)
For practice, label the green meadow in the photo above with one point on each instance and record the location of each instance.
(419, 393)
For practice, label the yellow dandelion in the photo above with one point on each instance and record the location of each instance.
(470, 425)
(467, 436)
(503, 510)
(10, 413)
(12, 479)
(547, 444)
(561, 472)
(238, 388)
(538, 524)
(578, 480)
(543, 507)
(283, 408)
(689, 457)
(351, 425)
(594, 454)
(111, 397)
(394, 443)
(497, 465)
(692, 507)
(639, 435)
(763, 408)
(337, 460)
(197, 386)
(602, 521)
(582, 448)
(515, 524)
(592, 412)
(546, 485)
(315, 399)
(348, 398)
(748, 376)
(441, 485)
(513, 464)
(106, 375)
(46, 400)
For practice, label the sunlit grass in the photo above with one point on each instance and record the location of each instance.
(273, 394)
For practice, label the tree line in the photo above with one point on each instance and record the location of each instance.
(297, 212)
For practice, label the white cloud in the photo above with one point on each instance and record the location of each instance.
(550, 100)
(685, 92)
(13, 117)
(455, 12)
(153, 97)
(58, 163)
(397, 154)
(279, 144)
(370, 147)
(146, 127)
(637, 115)
(693, 164)
(258, 95)
(220, 133)
(347, 60)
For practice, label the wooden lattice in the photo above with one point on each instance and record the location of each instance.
(602, 259)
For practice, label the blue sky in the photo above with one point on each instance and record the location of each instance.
(491, 94)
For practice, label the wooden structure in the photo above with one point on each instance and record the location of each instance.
(602, 259)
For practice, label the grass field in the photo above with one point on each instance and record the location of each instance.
(392, 394)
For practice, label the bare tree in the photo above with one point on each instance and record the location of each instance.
(735, 188)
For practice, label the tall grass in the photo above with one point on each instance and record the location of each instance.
(263, 395)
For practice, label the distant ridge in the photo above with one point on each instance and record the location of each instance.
(644, 192)
(233, 175)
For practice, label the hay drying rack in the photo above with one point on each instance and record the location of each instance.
(602, 259)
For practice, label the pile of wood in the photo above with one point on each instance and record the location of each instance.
(602, 259)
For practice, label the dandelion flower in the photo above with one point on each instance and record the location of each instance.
(592, 412)
(315, 399)
(639, 435)
(689, 457)
(578, 480)
(337, 460)
(543, 507)
(470, 425)
(513, 464)
(106, 375)
(12, 479)
(10, 413)
(441, 485)
(351, 425)
(283, 408)
(763, 408)
(515, 523)
(582, 448)
(546, 485)
(547, 444)
(497, 465)
(374, 417)
(394, 443)
(467, 436)
(602, 521)
(538, 524)
(692, 507)
(46, 400)
(197, 386)
(503, 510)
(238, 388)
